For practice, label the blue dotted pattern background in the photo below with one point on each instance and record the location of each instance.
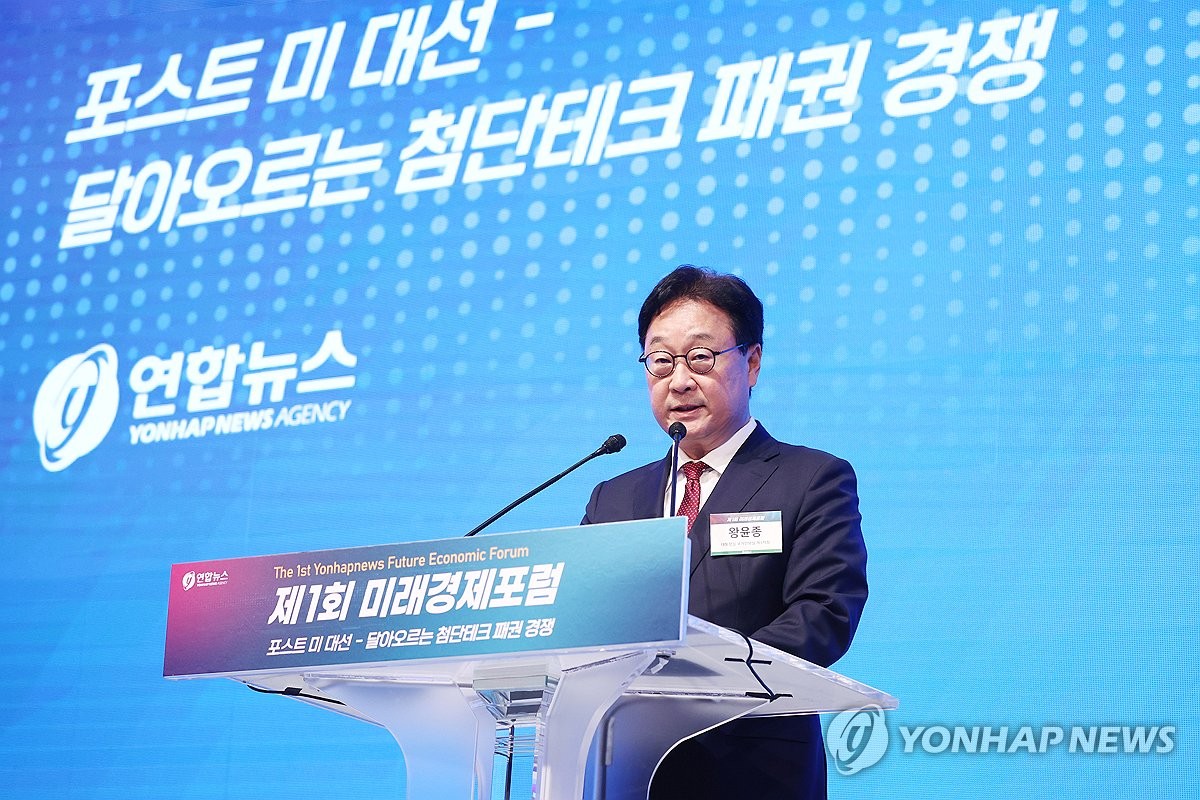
(990, 310)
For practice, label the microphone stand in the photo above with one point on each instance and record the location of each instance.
(611, 445)
(677, 431)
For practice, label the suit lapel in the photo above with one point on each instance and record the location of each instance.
(747, 472)
(648, 496)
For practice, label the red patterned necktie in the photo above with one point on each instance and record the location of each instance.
(690, 506)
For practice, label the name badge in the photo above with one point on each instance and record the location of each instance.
(746, 533)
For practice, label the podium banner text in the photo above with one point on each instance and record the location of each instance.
(615, 584)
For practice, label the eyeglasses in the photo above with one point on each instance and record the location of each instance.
(700, 360)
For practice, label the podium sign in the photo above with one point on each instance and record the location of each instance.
(567, 632)
(494, 594)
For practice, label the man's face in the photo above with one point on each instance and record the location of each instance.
(712, 406)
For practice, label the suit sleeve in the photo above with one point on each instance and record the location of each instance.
(825, 580)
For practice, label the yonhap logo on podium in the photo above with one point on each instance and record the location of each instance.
(857, 739)
(200, 580)
(75, 406)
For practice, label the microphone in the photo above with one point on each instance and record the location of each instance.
(612, 444)
(677, 431)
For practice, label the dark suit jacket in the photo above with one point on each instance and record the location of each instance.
(806, 600)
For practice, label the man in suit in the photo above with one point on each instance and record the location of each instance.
(803, 590)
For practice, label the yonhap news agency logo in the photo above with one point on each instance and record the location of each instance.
(75, 406)
(203, 393)
(199, 580)
(859, 738)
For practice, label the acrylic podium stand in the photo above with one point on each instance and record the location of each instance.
(445, 711)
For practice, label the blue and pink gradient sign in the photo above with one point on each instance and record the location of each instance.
(506, 593)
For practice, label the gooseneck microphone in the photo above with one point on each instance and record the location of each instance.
(612, 444)
(677, 431)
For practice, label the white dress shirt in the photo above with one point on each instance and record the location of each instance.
(717, 462)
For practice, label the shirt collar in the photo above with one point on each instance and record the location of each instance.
(718, 459)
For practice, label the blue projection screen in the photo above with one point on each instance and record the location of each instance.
(280, 276)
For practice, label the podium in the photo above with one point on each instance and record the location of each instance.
(620, 671)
